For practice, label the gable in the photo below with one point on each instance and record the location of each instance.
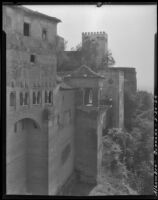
(85, 72)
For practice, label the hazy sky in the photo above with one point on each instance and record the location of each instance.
(130, 32)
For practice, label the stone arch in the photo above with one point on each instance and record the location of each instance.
(28, 172)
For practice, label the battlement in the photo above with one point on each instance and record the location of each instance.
(101, 33)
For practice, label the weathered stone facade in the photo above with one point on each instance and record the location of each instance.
(55, 124)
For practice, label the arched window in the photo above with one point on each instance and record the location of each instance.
(50, 96)
(26, 99)
(88, 96)
(12, 99)
(34, 98)
(44, 34)
(38, 97)
(35, 125)
(12, 84)
(21, 98)
(46, 97)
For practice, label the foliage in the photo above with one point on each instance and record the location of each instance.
(89, 54)
(134, 163)
(82, 54)
(108, 59)
(130, 105)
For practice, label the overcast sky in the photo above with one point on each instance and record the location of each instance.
(130, 32)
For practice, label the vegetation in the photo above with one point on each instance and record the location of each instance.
(88, 53)
(82, 55)
(128, 153)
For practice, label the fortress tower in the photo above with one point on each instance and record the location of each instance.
(101, 40)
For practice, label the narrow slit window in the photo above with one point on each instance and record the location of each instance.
(44, 34)
(26, 29)
(12, 99)
(21, 98)
(50, 96)
(46, 97)
(15, 127)
(32, 58)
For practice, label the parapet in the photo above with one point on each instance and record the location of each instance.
(101, 33)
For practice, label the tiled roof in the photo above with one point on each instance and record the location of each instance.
(31, 12)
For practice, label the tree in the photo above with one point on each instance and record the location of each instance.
(108, 59)
(140, 149)
(89, 54)
(130, 106)
(135, 160)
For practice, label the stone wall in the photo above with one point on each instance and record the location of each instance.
(61, 141)
(26, 157)
(86, 146)
(109, 90)
(27, 147)
(14, 17)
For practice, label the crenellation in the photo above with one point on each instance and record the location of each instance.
(101, 33)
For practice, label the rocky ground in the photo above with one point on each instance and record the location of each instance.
(111, 186)
(106, 186)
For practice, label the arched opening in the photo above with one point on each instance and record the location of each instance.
(26, 99)
(34, 98)
(12, 84)
(21, 98)
(12, 99)
(27, 149)
(46, 97)
(50, 96)
(88, 96)
(38, 97)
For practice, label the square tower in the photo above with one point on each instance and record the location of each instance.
(97, 43)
